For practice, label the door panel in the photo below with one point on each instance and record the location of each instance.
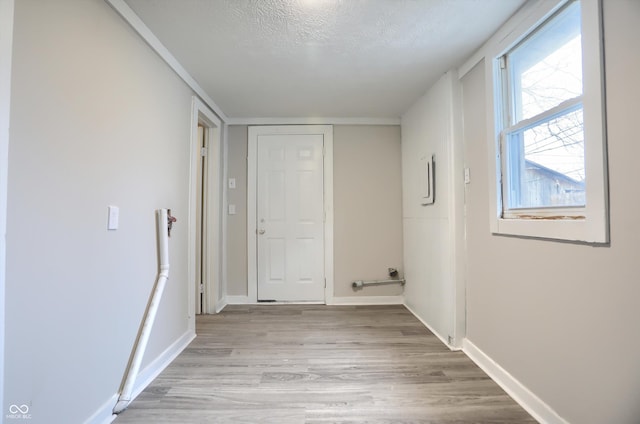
(275, 263)
(276, 196)
(290, 214)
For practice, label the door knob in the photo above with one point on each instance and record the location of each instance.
(260, 232)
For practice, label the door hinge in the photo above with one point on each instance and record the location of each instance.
(203, 151)
(201, 288)
(325, 283)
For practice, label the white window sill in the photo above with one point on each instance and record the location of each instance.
(576, 230)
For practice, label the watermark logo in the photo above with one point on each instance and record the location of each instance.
(22, 409)
(18, 412)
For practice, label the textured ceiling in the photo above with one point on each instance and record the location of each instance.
(320, 58)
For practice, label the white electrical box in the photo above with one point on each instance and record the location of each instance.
(428, 180)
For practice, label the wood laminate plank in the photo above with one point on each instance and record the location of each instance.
(316, 364)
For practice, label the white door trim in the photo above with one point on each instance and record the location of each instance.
(201, 114)
(222, 287)
(6, 45)
(252, 169)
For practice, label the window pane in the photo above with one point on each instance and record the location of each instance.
(545, 163)
(546, 69)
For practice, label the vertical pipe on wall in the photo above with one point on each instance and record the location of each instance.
(143, 338)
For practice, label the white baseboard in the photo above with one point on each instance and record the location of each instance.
(514, 388)
(367, 300)
(104, 414)
(438, 335)
(238, 300)
(151, 371)
(346, 300)
(222, 303)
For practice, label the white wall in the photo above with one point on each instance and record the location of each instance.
(430, 239)
(562, 318)
(237, 224)
(96, 119)
(367, 208)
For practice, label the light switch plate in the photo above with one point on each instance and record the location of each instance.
(113, 218)
(232, 209)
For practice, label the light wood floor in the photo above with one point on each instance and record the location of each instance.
(320, 364)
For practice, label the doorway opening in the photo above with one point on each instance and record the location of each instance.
(205, 226)
(201, 200)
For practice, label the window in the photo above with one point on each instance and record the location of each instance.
(543, 138)
(549, 128)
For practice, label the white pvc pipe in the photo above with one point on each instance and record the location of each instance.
(141, 344)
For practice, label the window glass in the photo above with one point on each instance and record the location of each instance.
(547, 163)
(544, 139)
(546, 69)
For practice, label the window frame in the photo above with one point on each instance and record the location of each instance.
(589, 224)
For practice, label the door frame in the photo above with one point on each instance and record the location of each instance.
(252, 173)
(212, 263)
(6, 47)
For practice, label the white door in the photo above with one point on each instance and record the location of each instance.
(290, 217)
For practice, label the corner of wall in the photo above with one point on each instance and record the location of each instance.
(435, 290)
(444, 340)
